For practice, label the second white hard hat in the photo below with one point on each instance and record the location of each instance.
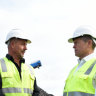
(17, 33)
(83, 30)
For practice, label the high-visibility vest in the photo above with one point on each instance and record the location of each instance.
(12, 84)
(80, 83)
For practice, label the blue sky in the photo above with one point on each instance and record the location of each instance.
(49, 24)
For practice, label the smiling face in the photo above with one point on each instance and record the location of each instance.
(18, 47)
(81, 48)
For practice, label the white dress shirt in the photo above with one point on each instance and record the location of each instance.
(85, 59)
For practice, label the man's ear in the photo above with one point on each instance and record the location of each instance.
(90, 42)
(12, 44)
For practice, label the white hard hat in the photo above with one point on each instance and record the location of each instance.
(83, 30)
(17, 33)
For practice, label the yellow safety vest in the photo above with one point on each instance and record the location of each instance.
(80, 83)
(12, 85)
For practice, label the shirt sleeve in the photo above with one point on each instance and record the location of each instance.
(39, 92)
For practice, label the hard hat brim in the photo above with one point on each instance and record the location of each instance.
(70, 40)
(28, 41)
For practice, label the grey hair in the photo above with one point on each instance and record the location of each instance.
(8, 43)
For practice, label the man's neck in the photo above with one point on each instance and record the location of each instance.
(16, 59)
(89, 53)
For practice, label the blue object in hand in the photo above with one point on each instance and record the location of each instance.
(36, 64)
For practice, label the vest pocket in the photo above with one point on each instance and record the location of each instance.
(32, 77)
(83, 76)
(7, 79)
(6, 74)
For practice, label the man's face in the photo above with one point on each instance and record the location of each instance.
(80, 48)
(20, 46)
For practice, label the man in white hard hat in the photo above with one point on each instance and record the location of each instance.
(16, 78)
(79, 81)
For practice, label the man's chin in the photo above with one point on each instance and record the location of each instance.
(21, 56)
(76, 55)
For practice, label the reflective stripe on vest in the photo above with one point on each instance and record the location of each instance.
(10, 90)
(3, 65)
(77, 94)
(15, 90)
(90, 69)
(27, 90)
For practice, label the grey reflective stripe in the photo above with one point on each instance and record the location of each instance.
(3, 65)
(90, 69)
(65, 94)
(15, 90)
(27, 90)
(10, 90)
(77, 94)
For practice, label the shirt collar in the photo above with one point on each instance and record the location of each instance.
(11, 58)
(92, 55)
